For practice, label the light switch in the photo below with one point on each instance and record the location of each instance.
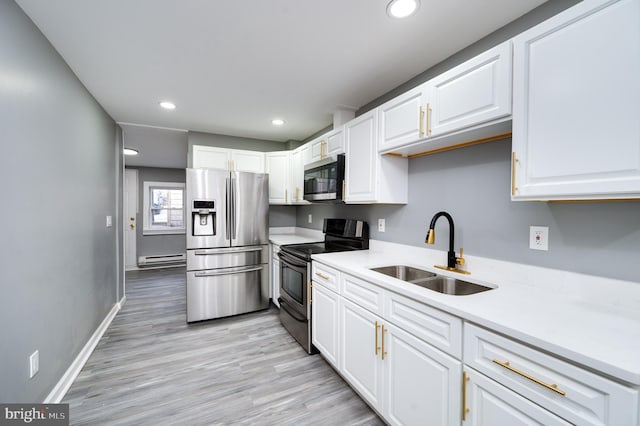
(109, 221)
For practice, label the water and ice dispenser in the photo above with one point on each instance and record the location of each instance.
(203, 218)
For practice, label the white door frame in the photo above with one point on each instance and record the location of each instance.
(129, 221)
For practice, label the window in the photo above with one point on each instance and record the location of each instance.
(163, 208)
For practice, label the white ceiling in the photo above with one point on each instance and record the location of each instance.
(233, 66)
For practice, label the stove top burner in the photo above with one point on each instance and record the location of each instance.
(305, 250)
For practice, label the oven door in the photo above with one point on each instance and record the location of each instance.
(293, 282)
(294, 304)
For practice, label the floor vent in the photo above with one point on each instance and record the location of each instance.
(161, 260)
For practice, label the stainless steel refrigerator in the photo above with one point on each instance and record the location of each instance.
(227, 243)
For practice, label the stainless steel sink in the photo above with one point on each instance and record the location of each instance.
(426, 279)
(454, 286)
(405, 273)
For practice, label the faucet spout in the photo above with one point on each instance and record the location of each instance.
(451, 254)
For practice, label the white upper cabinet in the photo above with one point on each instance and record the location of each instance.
(468, 104)
(277, 166)
(474, 92)
(247, 161)
(299, 157)
(402, 120)
(577, 105)
(329, 144)
(370, 177)
(227, 159)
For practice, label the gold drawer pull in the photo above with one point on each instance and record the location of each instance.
(552, 387)
(421, 118)
(384, 330)
(377, 345)
(323, 276)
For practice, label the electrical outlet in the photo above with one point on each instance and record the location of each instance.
(539, 238)
(310, 218)
(34, 363)
(381, 225)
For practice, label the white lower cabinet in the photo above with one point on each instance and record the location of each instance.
(421, 383)
(325, 322)
(404, 378)
(275, 274)
(570, 392)
(490, 404)
(361, 351)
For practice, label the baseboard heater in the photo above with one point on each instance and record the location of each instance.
(162, 260)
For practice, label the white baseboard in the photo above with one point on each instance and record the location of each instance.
(63, 385)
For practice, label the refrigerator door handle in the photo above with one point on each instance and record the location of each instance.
(218, 251)
(224, 272)
(233, 208)
(227, 216)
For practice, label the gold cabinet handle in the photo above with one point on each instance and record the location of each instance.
(297, 193)
(421, 118)
(429, 113)
(384, 330)
(465, 410)
(552, 387)
(344, 188)
(309, 298)
(286, 195)
(323, 276)
(514, 160)
(377, 346)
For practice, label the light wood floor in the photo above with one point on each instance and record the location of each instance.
(152, 368)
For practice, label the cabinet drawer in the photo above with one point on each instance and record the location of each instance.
(442, 330)
(325, 275)
(367, 295)
(573, 393)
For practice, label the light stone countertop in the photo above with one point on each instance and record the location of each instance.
(592, 321)
(293, 235)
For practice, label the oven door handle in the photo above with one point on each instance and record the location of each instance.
(294, 315)
(292, 260)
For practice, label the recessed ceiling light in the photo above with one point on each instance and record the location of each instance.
(167, 105)
(402, 8)
(277, 122)
(130, 151)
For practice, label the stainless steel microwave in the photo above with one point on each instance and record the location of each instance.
(324, 180)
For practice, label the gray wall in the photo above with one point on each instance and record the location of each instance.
(148, 245)
(58, 260)
(473, 185)
(118, 223)
(282, 216)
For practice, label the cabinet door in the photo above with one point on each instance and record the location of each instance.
(325, 323)
(210, 157)
(361, 158)
(402, 120)
(474, 92)
(360, 361)
(576, 104)
(317, 148)
(278, 170)
(299, 158)
(275, 275)
(247, 161)
(422, 384)
(489, 403)
(335, 142)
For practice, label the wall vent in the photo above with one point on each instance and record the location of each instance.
(160, 260)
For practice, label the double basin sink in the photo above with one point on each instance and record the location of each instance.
(435, 282)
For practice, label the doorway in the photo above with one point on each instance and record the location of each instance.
(130, 215)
